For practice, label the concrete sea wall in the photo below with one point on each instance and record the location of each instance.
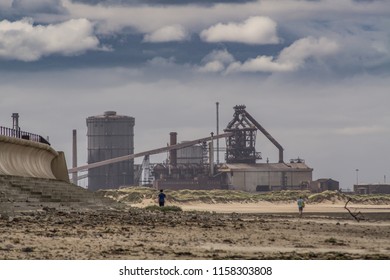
(19, 157)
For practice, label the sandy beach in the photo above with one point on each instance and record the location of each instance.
(260, 230)
(269, 207)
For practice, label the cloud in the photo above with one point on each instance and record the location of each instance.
(361, 130)
(307, 47)
(327, 112)
(260, 64)
(115, 17)
(38, 6)
(160, 2)
(306, 128)
(360, 29)
(167, 34)
(364, 48)
(254, 30)
(21, 40)
(290, 58)
(6, 3)
(216, 61)
(212, 66)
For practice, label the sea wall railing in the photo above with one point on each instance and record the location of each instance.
(17, 133)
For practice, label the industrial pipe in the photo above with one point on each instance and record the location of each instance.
(265, 132)
(150, 152)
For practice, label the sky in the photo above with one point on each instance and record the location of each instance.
(314, 73)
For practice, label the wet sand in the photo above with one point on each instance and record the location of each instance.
(214, 231)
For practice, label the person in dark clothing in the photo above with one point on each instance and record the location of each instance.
(161, 198)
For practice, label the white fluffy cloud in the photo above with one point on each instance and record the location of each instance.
(290, 58)
(24, 41)
(216, 61)
(148, 18)
(167, 34)
(254, 30)
(260, 64)
(307, 47)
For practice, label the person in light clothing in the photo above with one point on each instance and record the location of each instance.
(301, 205)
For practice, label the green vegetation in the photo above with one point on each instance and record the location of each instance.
(130, 195)
(228, 196)
(134, 195)
(331, 196)
(334, 196)
(371, 198)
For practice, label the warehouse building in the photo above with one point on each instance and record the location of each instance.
(261, 177)
(324, 184)
(372, 189)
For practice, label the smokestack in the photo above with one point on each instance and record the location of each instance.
(74, 161)
(173, 153)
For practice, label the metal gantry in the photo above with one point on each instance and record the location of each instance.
(240, 146)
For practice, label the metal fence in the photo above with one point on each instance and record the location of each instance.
(17, 133)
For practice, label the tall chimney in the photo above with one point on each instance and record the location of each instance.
(74, 160)
(173, 153)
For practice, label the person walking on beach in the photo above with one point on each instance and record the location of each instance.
(161, 198)
(301, 205)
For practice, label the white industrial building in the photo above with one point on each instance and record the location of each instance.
(266, 176)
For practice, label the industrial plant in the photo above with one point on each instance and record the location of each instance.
(190, 164)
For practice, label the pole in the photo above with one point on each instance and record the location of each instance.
(217, 104)
(357, 177)
(211, 157)
(74, 162)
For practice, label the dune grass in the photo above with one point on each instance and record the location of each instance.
(134, 195)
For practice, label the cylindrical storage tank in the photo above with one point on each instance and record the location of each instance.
(110, 136)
